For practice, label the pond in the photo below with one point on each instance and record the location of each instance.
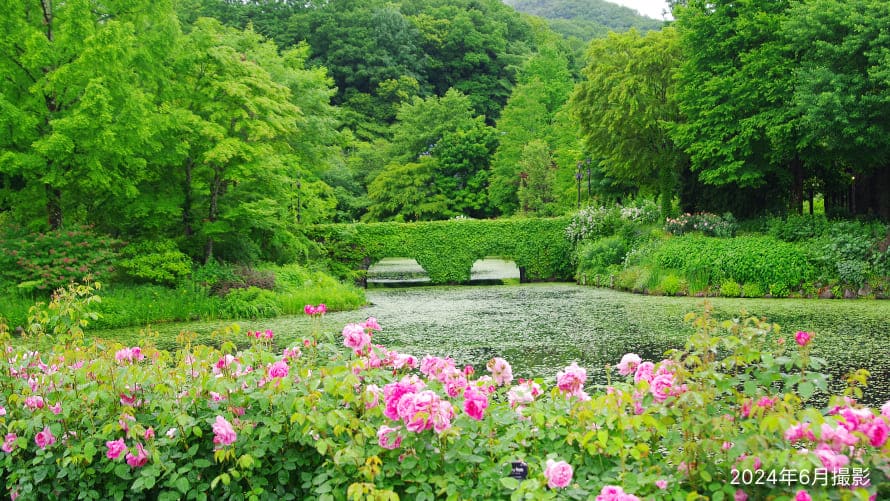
(541, 328)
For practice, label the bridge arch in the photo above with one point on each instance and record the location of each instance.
(448, 249)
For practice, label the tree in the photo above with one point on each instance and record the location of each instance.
(625, 105)
(735, 88)
(77, 100)
(536, 188)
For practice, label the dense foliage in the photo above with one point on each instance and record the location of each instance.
(448, 249)
(317, 421)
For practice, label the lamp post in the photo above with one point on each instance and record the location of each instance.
(299, 186)
(587, 161)
(578, 177)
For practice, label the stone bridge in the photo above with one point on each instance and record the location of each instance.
(448, 249)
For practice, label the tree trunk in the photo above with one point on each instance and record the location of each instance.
(53, 207)
(796, 185)
(215, 189)
(187, 200)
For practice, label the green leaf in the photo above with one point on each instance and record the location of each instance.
(510, 483)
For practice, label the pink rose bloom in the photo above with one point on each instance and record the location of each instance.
(572, 379)
(614, 493)
(355, 337)
(454, 381)
(309, 309)
(767, 402)
(149, 433)
(57, 408)
(2, 410)
(393, 393)
(740, 496)
(140, 459)
(371, 324)
(279, 369)
(661, 387)
(389, 438)
(629, 363)
(321, 309)
(34, 402)
(802, 495)
(877, 432)
(292, 353)
(402, 360)
(416, 410)
(885, 409)
(44, 438)
(831, 460)
(838, 438)
(799, 432)
(115, 448)
(443, 413)
(523, 394)
(501, 372)
(223, 432)
(558, 473)
(9, 443)
(129, 354)
(372, 396)
(644, 372)
(661, 484)
(803, 338)
(475, 403)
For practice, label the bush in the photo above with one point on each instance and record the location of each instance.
(671, 285)
(597, 256)
(157, 262)
(47, 261)
(708, 224)
(730, 288)
(797, 228)
(752, 289)
(319, 420)
(250, 302)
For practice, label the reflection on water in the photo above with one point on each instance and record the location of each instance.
(406, 271)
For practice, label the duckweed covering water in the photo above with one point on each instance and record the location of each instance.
(540, 328)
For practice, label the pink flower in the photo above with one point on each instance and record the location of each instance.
(34, 402)
(389, 438)
(278, 370)
(615, 493)
(644, 372)
(223, 432)
(149, 433)
(140, 459)
(355, 337)
(45, 438)
(129, 354)
(571, 380)
(661, 484)
(402, 360)
(799, 432)
(9, 443)
(629, 363)
(523, 393)
(877, 432)
(661, 387)
(372, 396)
(885, 409)
(321, 309)
(558, 473)
(802, 495)
(803, 338)
(831, 460)
(57, 408)
(475, 403)
(115, 448)
(424, 410)
(2, 410)
(501, 372)
(393, 393)
(292, 353)
(371, 324)
(740, 495)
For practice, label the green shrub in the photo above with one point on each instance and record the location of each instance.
(47, 261)
(708, 224)
(596, 256)
(594, 222)
(797, 228)
(779, 290)
(752, 289)
(671, 285)
(730, 288)
(156, 262)
(251, 302)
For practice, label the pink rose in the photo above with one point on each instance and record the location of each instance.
(803, 338)
(558, 473)
(661, 387)
(389, 438)
(644, 372)
(571, 380)
(34, 402)
(802, 495)
(661, 484)
(115, 448)
(45, 438)
(149, 433)
(9, 443)
(309, 309)
(475, 403)
(355, 337)
(223, 432)
(371, 324)
(501, 372)
(140, 459)
(740, 496)
(629, 363)
(799, 432)
(279, 369)
(877, 432)
(885, 409)
(615, 493)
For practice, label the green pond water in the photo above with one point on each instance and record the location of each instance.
(541, 328)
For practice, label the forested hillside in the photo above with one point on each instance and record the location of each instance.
(585, 19)
(225, 126)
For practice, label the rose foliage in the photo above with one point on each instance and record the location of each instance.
(345, 418)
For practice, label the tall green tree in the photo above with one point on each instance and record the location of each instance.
(77, 100)
(536, 187)
(625, 104)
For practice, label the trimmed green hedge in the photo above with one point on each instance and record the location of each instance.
(448, 249)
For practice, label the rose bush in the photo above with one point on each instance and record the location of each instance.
(347, 418)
